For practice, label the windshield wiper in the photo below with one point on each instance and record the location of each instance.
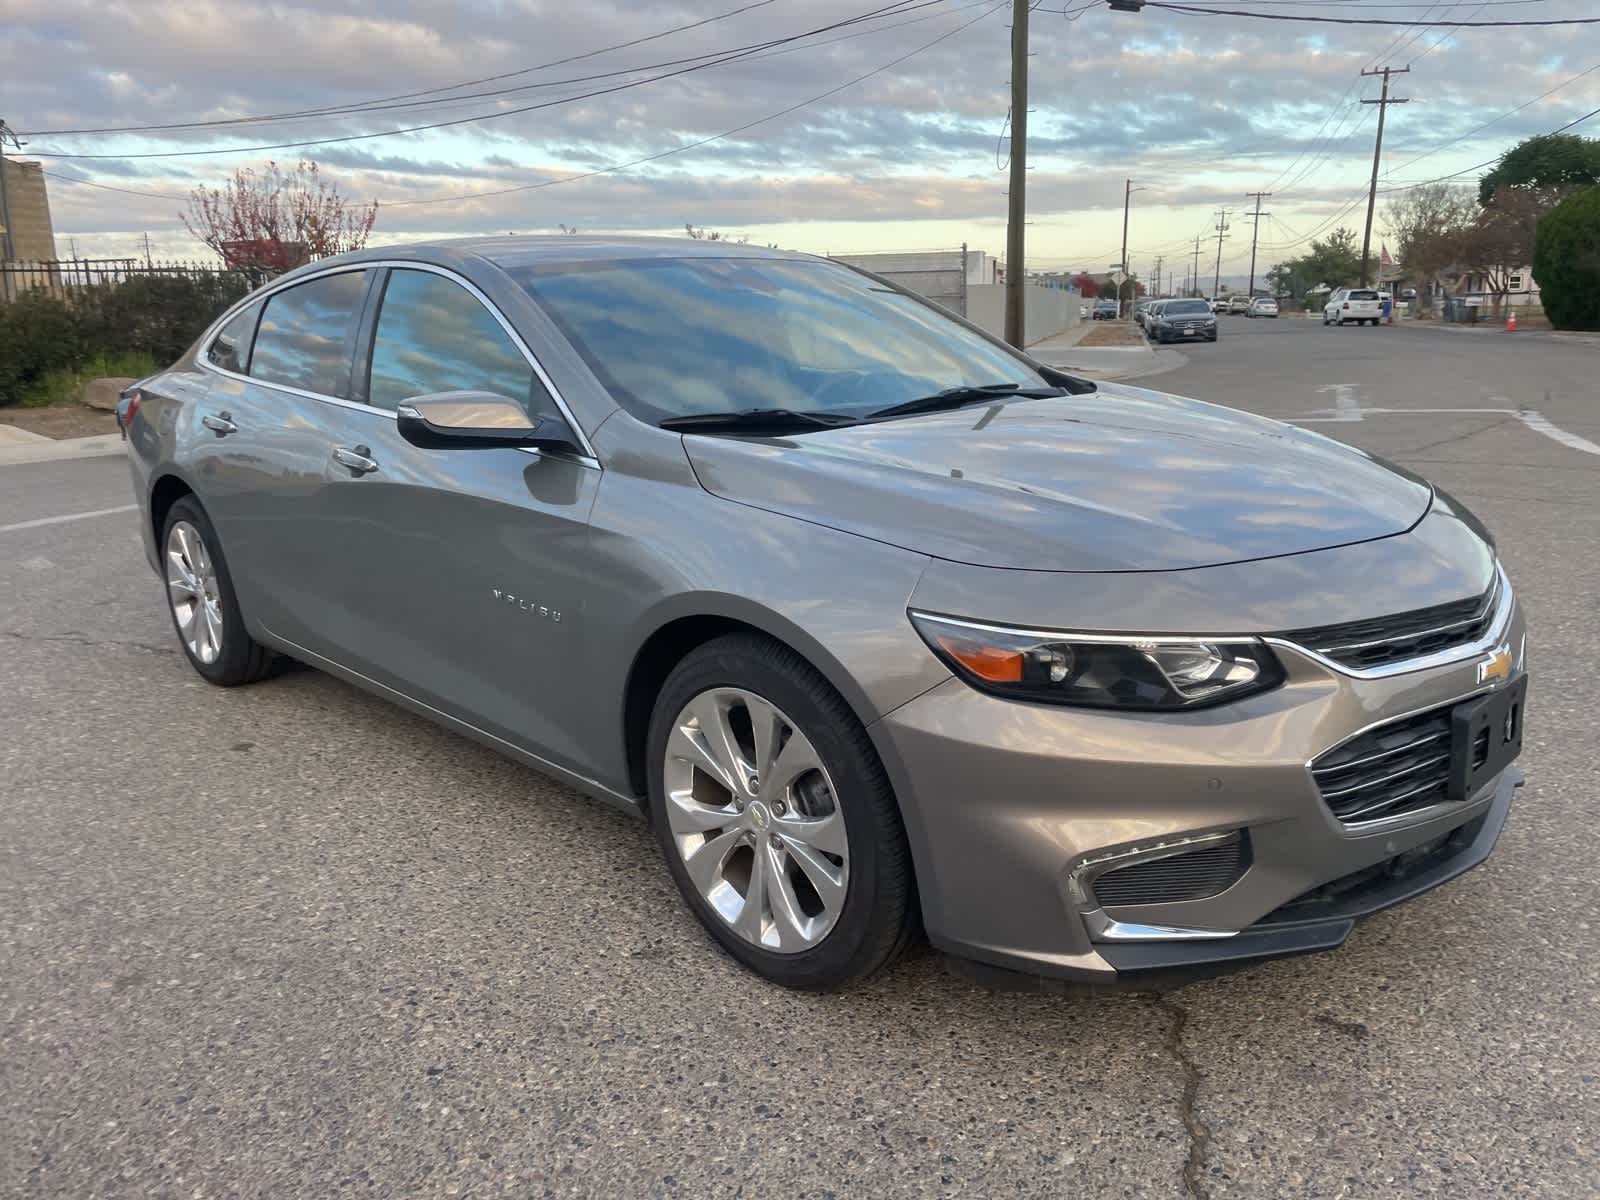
(956, 397)
(755, 420)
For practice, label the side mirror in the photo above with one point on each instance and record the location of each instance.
(478, 421)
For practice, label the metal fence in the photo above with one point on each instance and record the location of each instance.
(62, 277)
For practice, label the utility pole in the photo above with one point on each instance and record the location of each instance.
(1377, 155)
(1255, 235)
(1195, 276)
(1222, 233)
(1127, 196)
(1159, 260)
(1017, 208)
(148, 264)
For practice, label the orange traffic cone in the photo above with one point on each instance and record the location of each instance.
(1511, 321)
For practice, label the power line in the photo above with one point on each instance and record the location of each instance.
(757, 51)
(449, 87)
(898, 6)
(715, 137)
(1394, 21)
(1493, 120)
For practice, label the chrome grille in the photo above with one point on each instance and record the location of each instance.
(1414, 634)
(1396, 768)
(1173, 878)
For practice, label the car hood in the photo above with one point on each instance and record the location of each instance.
(1121, 479)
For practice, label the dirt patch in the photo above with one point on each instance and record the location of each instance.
(60, 420)
(1112, 333)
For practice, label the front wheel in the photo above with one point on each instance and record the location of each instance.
(775, 816)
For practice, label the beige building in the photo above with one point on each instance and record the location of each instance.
(27, 212)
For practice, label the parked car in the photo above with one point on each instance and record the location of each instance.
(1152, 313)
(1219, 304)
(1184, 321)
(1105, 310)
(1360, 305)
(1238, 305)
(1083, 312)
(1140, 307)
(1263, 306)
(883, 623)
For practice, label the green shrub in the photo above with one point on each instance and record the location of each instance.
(62, 385)
(50, 343)
(1566, 261)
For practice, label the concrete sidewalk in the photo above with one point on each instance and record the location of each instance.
(1109, 363)
(23, 446)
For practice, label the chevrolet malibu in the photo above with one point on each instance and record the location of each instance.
(882, 625)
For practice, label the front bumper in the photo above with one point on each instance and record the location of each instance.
(1008, 804)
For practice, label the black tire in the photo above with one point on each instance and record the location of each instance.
(878, 916)
(241, 658)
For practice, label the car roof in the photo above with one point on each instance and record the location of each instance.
(516, 250)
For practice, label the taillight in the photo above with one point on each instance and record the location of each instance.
(129, 408)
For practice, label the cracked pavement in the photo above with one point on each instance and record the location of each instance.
(288, 940)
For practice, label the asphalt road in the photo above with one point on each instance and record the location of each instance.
(289, 941)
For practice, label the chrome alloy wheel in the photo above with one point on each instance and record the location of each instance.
(755, 820)
(192, 590)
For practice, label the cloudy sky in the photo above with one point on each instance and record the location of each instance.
(861, 133)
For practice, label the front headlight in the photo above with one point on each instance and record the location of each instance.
(1099, 671)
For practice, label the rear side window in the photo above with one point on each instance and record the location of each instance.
(230, 349)
(1363, 295)
(435, 336)
(306, 332)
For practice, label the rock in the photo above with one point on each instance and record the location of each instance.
(104, 393)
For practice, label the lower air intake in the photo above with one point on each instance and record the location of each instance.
(1171, 879)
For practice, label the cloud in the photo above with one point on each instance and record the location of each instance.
(1197, 109)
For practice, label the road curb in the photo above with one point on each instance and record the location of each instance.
(101, 445)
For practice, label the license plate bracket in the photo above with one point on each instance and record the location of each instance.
(1485, 737)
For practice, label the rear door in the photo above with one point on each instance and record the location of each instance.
(258, 454)
(454, 576)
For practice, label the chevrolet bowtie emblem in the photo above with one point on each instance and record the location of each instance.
(1497, 667)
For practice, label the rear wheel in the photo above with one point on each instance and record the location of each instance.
(776, 819)
(201, 600)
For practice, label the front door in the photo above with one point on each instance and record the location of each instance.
(451, 574)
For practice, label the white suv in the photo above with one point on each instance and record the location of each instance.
(1353, 304)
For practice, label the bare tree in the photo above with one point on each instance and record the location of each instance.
(270, 220)
(1426, 224)
(1500, 242)
(701, 233)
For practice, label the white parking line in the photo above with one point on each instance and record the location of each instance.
(1345, 405)
(1532, 418)
(1537, 422)
(61, 520)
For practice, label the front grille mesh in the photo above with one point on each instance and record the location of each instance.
(1422, 631)
(1191, 875)
(1396, 768)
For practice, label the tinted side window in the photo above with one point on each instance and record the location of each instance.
(230, 349)
(435, 336)
(304, 338)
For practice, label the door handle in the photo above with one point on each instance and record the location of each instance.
(358, 459)
(221, 424)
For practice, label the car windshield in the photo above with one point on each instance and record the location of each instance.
(1180, 308)
(673, 337)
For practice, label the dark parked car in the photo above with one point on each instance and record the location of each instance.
(883, 624)
(1184, 321)
(1105, 310)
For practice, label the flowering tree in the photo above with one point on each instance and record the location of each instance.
(267, 221)
(1088, 286)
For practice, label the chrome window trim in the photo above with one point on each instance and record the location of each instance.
(588, 456)
(1441, 658)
